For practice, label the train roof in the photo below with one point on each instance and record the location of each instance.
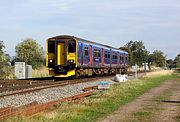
(87, 41)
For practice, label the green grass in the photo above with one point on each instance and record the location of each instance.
(102, 103)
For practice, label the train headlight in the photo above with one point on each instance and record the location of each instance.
(71, 61)
(51, 60)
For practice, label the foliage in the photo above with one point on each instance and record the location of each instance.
(40, 72)
(138, 54)
(169, 61)
(30, 52)
(177, 60)
(4, 61)
(157, 58)
(2, 58)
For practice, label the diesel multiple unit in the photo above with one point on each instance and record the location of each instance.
(69, 56)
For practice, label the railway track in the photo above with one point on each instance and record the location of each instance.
(26, 86)
(12, 87)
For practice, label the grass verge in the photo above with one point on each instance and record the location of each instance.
(102, 103)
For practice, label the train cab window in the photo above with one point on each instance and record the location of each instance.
(71, 46)
(51, 46)
(97, 53)
(86, 53)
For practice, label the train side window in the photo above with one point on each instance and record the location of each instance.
(109, 55)
(126, 58)
(97, 53)
(114, 56)
(122, 58)
(71, 46)
(106, 55)
(86, 53)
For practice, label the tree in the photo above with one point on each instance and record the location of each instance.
(169, 61)
(158, 58)
(138, 54)
(30, 52)
(177, 60)
(4, 59)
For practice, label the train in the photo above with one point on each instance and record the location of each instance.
(70, 56)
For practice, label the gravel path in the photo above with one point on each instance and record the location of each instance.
(49, 94)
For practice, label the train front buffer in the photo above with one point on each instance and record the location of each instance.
(61, 56)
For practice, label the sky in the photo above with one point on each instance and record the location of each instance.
(110, 22)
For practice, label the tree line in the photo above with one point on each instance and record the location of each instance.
(32, 53)
(138, 54)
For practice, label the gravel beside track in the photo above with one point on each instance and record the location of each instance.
(49, 94)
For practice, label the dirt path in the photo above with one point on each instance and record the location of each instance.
(170, 107)
(158, 104)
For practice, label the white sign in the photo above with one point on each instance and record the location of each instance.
(145, 66)
(135, 68)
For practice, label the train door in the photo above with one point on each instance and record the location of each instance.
(107, 57)
(86, 55)
(60, 53)
(80, 54)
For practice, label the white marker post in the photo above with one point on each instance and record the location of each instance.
(145, 66)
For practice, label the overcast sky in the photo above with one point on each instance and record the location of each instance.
(111, 22)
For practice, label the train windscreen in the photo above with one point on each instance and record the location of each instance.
(51, 47)
(71, 46)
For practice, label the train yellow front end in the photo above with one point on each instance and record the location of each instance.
(61, 56)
